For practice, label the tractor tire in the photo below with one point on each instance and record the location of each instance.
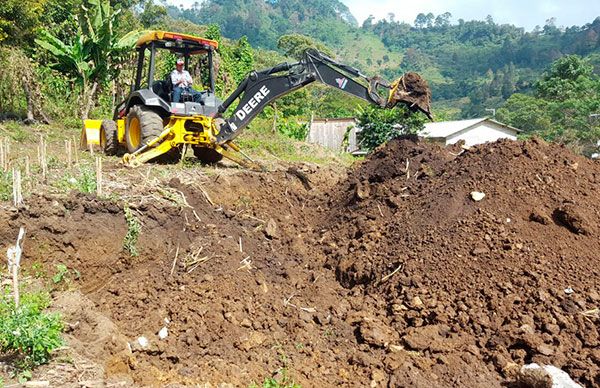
(207, 155)
(108, 137)
(144, 125)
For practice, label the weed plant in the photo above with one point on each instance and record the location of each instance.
(27, 333)
(83, 180)
(133, 232)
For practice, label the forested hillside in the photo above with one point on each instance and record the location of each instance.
(482, 60)
(77, 65)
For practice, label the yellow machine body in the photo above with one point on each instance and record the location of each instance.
(121, 130)
(191, 130)
(195, 130)
(91, 134)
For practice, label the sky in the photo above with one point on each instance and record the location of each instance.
(521, 13)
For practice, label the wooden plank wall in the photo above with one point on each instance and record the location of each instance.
(329, 133)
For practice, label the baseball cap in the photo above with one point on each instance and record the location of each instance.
(180, 61)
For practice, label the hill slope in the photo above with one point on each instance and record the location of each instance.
(482, 60)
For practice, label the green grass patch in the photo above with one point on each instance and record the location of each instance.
(16, 131)
(260, 141)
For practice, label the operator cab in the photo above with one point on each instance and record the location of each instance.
(157, 52)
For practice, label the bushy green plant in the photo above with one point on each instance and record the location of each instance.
(27, 332)
(133, 232)
(83, 180)
(292, 128)
(380, 125)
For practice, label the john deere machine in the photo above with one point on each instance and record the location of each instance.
(150, 126)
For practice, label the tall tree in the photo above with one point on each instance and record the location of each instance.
(92, 57)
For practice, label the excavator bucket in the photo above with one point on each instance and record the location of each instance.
(411, 89)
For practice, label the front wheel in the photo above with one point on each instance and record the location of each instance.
(108, 137)
(142, 126)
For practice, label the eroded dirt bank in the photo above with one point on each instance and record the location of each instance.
(390, 275)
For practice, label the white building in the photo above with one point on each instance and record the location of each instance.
(343, 134)
(474, 131)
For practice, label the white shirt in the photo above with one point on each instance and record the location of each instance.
(184, 76)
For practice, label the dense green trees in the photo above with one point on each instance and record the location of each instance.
(472, 66)
(92, 56)
(455, 56)
(563, 104)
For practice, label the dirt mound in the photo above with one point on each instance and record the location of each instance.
(228, 275)
(391, 275)
(510, 279)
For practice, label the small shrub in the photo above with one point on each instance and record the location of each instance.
(293, 129)
(133, 232)
(380, 125)
(27, 332)
(64, 275)
(62, 272)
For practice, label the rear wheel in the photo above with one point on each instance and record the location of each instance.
(207, 155)
(144, 125)
(108, 137)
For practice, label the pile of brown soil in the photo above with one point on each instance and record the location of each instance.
(500, 282)
(391, 275)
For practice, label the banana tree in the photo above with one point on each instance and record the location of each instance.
(92, 58)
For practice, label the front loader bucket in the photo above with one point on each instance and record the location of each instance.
(411, 89)
(91, 134)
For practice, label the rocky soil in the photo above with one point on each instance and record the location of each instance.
(389, 275)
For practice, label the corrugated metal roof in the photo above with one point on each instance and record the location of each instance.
(447, 128)
(444, 129)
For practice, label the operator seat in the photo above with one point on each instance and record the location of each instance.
(161, 89)
(168, 91)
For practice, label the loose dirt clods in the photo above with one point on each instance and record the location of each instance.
(389, 275)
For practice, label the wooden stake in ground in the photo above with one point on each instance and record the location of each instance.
(7, 149)
(42, 158)
(2, 154)
(27, 167)
(68, 151)
(76, 150)
(17, 188)
(14, 262)
(98, 176)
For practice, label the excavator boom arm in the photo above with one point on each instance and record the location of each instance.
(261, 88)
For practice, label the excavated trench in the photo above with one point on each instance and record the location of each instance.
(391, 275)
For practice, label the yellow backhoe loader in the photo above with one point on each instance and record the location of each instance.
(150, 125)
